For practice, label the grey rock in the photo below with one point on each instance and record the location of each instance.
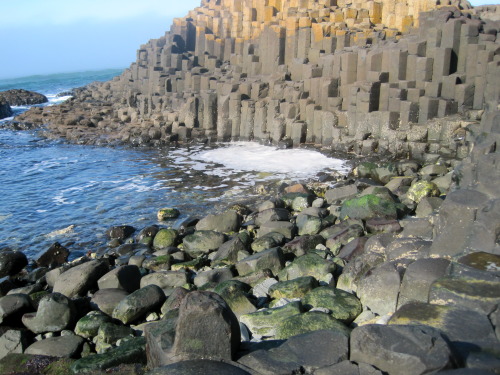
(228, 251)
(106, 300)
(63, 346)
(165, 279)
(77, 281)
(400, 349)
(216, 276)
(308, 322)
(286, 228)
(228, 221)
(272, 214)
(124, 277)
(308, 225)
(55, 313)
(268, 259)
(202, 242)
(174, 300)
(300, 353)
(348, 368)
(264, 322)
(268, 241)
(14, 341)
(340, 193)
(110, 333)
(88, 326)
(303, 244)
(203, 328)
(137, 304)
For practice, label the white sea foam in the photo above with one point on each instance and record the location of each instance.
(253, 157)
(53, 99)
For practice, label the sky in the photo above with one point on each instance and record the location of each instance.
(58, 36)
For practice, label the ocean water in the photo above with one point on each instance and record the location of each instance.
(55, 191)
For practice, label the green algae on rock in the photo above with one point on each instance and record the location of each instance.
(368, 207)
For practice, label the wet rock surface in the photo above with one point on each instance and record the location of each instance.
(18, 97)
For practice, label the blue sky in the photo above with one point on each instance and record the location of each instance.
(55, 36)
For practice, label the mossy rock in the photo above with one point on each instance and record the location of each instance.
(168, 213)
(297, 201)
(310, 264)
(296, 288)
(203, 242)
(160, 263)
(268, 241)
(368, 207)
(482, 261)
(422, 189)
(237, 299)
(308, 322)
(344, 306)
(264, 322)
(88, 326)
(193, 265)
(165, 238)
(365, 169)
(130, 351)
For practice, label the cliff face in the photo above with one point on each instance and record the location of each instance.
(363, 76)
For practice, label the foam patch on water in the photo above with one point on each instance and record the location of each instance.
(53, 99)
(253, 157)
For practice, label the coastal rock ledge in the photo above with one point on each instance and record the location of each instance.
(17, 97)
(393, 269)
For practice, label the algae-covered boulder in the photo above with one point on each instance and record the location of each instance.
(167, 213)
(367, 207)
(268, 241)
(422, 189)
(296, 288)
(235, 294)
(130, 351)
(88, 326)
(343, 306)
(202, 242)
(165, 238)
(309, 265)
(264, 322)
(308, 322)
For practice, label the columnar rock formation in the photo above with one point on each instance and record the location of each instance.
(362, 76)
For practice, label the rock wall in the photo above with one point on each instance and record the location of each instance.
(358, 76)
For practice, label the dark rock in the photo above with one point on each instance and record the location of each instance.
(88, 326)
(340, 193)
(228, 251)
(174, 300)
(13, 306)
(286, 228)
(5, 110)
(381, 225)
(78, 280)
(400, 349)
(69, 346)
(55, 256)
(127, 278)
(11, 262)
(120, 232)
(300, 353)
(23, 97)
(203, 328)
(348, 368)
(200, 366)
(272, 214)
(302, 245)
(213, 276)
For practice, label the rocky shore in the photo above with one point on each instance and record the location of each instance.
(395, 270)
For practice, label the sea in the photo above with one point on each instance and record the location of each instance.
(54, 191)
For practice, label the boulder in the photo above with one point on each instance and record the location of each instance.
(55, 256)
(14, 341)
(69, 346)
(400, 349)
(271, 259)
(5, 110)
(367, 207)
(88, 326)
(295, 288)
(235, 293)
(309, 225)
(272, 214)
(120, 232)
(11, 262)
(213, 276)
(203, 242)
(166, 279)
(343, 306)
(168, 213)
(55, 313)
(165, 238)
(18, 97)
(158, 262)
(285, 228)
(302, 245)
(340, 193)
(174, 300)
(268, 241)
(263, 323)
(309, 265)
(348, 368)
(204, 328)
(105, 300)
(13, 306)
(126, 277)
(308, 322)
(78, 280)
(110, 333)
(228, 251)
(226, 222)
(131, 351)
(306, 352)
(139, 303)
(200, 366)
(422, 189)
